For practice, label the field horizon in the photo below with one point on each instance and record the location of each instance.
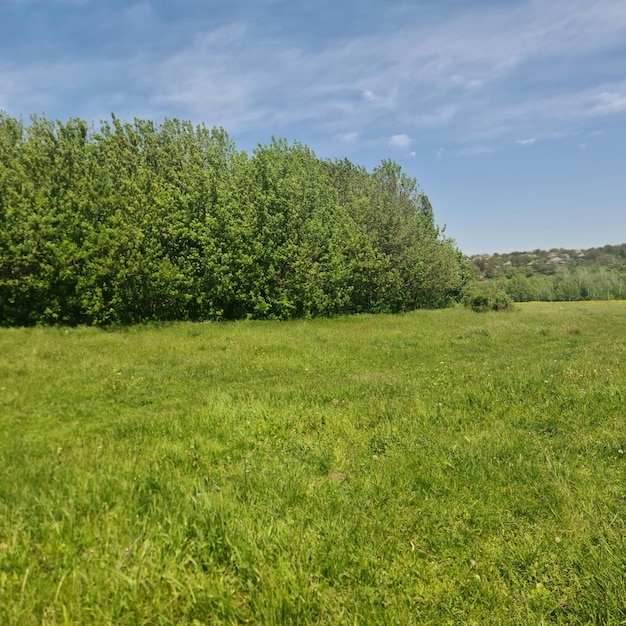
(433, 467)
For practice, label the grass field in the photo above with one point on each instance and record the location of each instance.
(438, 467)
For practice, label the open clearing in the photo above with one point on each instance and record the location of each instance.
(435, 467)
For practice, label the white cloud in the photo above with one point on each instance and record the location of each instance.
(400, 141)
(609, 102)
(526, 142)
(379, 100)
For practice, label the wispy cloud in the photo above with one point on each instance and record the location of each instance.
(483, 75)
(478, 77)
(609, 101)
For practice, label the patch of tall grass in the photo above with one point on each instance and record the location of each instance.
(439, 467)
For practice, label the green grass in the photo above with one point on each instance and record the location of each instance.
(438, 467)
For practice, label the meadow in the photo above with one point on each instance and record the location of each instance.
(435, 467)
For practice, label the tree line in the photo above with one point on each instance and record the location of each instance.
(557, 274)
(578, 283)
(549, 261)
(137, 221)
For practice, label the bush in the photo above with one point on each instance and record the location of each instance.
(483, 299)
(501, 301)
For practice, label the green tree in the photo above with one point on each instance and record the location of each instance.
(141, 221)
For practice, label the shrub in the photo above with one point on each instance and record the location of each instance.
(486, 298)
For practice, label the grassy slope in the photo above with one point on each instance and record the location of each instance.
(435, 467)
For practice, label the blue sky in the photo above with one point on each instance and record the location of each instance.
(511, 114)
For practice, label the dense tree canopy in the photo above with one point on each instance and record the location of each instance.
(143, 221)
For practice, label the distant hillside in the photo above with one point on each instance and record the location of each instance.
(557, 274)
(548, 261)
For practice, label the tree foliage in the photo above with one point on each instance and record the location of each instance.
(557, 274)
(142, 221)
